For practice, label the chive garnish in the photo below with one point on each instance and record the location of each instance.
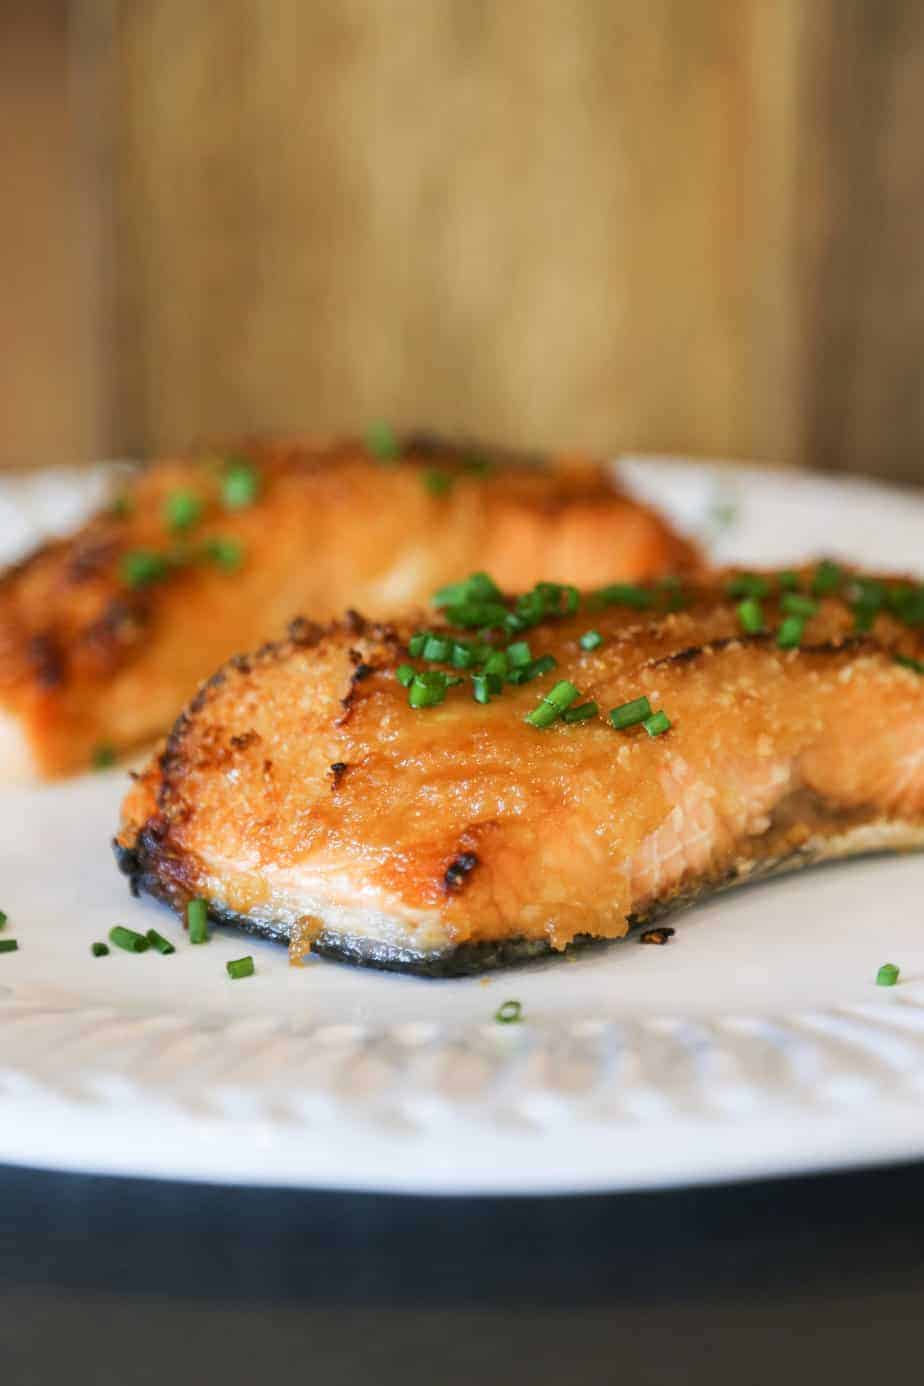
(156, 940)
(496, 663)
(182, 511)
(519, 654)
(3, 919)
(791, 632)
(887, 975)
(436, 647)
(591, 640)
(478, 466)
(428, 688)
(99, 950)
(795, 604)
(826, 578)
(477, 587)
(477, 615)
(581, 713)
(240, 485)
(197, 918)
(908, 663)
(752, 585)
(624, 594)
(415, 646)
(553, 704)
(128, 939)
(509, 1013)
(226, 553)
(630, 714)
(103, 756)
(750, 615)
(787, 581)
(405, 674)
(907, 603)
(9, 945)
(240, 967)
(141, 567)
(381, 442)
(484, 687)
(525, 673)
(657, 724)
(436, 482)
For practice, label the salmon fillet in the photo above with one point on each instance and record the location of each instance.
(302, 796)
(106, 634)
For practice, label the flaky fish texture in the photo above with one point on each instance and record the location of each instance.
(303, 797)
(105, 635)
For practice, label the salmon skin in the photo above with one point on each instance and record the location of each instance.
(636, 748)
(105, 635)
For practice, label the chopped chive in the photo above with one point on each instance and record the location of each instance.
(864, 616)
(908, 663)
(519, 654)
(485, 687)
(558, 698)
(794, 604)
(226, 553)
(9, 945)
(751, 585)
(477, 587)
(787, 581)
(509, 1013)
(436, 482)
(182, 510)
(3, 919)
(156, 940)
(141, 567)
(496, 663)
(907, 603)
(591, 640)
(657, 724)
(240, 967)
(791, 632)
(381, 442)
(630, 714)
(478, 466)
(103, 756)
(99, 950)
(240, 486)
(533, 670)
(417, 642)
(571, 599)
(405, 674)
(624, 594)
(436, 648)
(750, 615)
(477, 615)
(428, 689)
(887, 975)
(128, 939)
(581, 713)
(672, 589)
(826, 578)
(197, 919)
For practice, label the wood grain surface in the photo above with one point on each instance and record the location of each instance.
(687, 225)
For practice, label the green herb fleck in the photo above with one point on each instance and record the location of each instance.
(240, 967)
(9, 945)
(591, 640)
(509, 1013)
(128, 939)
(182, 511)
(436, 482)
(405, 674)
(103, 756)
(624, 594)
(657, 724)
(3, 919)
(156, 940)
(582, 713)
(142, 567)
(630, 714)
(887, 975)
(99, 950)
(381, 442)
(908, 663)
(197, 920)
(553, 704)
(753, 585)
(790, 633)
(751, 616)
(826, 578)
(240, 485)
(795, 604)
(225, 553)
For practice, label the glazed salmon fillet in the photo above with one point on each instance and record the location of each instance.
(634, 748)
(106, 634)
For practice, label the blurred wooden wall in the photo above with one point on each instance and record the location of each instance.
(689, 225)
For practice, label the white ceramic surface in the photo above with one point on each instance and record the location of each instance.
(755, 1043)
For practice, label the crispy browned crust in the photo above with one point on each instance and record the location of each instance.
(358, 787)
(87, 660)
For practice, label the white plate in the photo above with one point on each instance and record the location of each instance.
(755, 1043)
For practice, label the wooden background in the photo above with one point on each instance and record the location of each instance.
(679, 225)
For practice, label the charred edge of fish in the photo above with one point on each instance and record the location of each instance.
(851, 644)
(245, 740)
(658, 936)
(304, 633)
(458, 871)
(337, 772)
